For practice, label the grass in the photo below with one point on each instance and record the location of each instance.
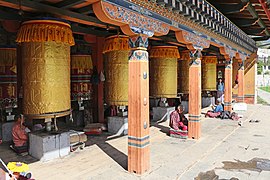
(261, 101)
(266, 88)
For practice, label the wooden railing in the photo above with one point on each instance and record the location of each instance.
(207, 15)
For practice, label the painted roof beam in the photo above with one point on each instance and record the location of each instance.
(62, 13)
(262, 38)
(255, 31)
(262, 45)
(86, 10)
(265, 8)
(256, 16)
(77, 29)
(230, 9)
(245, 22)
(68, 4)
(9, 16)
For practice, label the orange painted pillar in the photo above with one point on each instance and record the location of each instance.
(138, 106)
(241, 83)
(194, 105)
(228, 86)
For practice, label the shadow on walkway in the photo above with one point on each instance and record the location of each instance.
(118, 156)
(163, 129)
(8, 155)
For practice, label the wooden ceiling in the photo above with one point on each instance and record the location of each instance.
(78, 12)
(252, 16)
(247, 14)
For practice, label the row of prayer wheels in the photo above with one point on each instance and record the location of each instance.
(163, 71)
(116, 51)
(46, 66)
(209, 72)
(8, 77)
(81, 73)
(45, 50)
(81, 70)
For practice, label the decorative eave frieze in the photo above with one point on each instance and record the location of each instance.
(138, 16)
(181, 21)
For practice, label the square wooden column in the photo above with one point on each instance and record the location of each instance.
(241, 85)
(228, 86)
(138, 106)
(194, 104)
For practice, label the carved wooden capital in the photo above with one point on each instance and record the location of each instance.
(227, 52)
(240, 57)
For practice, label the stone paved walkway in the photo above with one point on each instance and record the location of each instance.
(222, 142)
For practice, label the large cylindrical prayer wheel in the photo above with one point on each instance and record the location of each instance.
(209, 73)
(163, 71)
(8, 77)
(45, 46)
(183, 72)
(116, 50)
(81, 71)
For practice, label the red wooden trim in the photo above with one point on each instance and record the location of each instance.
(265, 8)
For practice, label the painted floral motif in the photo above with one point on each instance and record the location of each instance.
(140, 10)
(228, 63)
(195, 57)
(177, 19)
(137, 22)
(138, 41)
(196, 41)
(138, 55)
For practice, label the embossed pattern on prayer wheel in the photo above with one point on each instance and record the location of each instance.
(116, 51)
(209, 73)
(183, 72)
(81, 71)
(45, 48)
(163, 71)
(8, 77)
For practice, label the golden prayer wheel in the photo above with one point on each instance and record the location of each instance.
(183, 72)
(116, 50)
(81, 71)
(45, 46)
(209, 73)
(163, 71)
(8, 77)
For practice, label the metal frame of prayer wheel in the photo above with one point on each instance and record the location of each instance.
(209, 73)
(163, 71)
(116, 51)
(81, 71)
(8, 77)
(45, 46)
(183, 72)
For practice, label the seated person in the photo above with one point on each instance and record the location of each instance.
(219, 107)
(178, 120)
(217, 110)
(19, 134)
